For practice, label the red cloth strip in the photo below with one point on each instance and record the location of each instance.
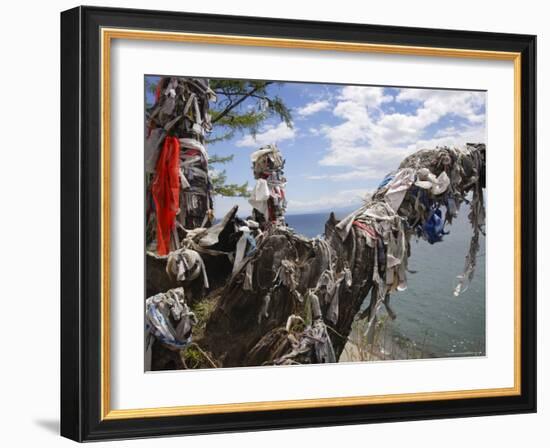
(368, 229)
(166, 189)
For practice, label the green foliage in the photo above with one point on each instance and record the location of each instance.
(242, 106)
(203, 309)
(214, 159)
(192, 355)
(221, 187)
(219, 179)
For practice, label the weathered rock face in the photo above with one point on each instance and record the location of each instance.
(218, 268)
(243, 317)
(157, 280)
(359, 256)
(247, 328)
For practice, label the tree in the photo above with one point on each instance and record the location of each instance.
(241, 107)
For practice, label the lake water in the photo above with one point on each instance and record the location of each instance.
(428, 314)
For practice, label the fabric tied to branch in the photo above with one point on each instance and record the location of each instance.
(186, 265)
(260, 195)
(398, 187)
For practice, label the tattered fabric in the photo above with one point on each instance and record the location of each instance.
(165, 189)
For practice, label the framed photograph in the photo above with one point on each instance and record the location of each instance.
(276, 224)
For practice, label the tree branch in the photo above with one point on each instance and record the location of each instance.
(238, 102)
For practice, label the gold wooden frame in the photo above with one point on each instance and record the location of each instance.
(107, 35)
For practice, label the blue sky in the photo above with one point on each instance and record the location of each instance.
(346, 138)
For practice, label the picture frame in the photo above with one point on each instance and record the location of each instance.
(87, 34)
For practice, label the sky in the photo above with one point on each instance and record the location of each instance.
(345, 139)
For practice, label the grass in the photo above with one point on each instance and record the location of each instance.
(203, 309)
(194, 357)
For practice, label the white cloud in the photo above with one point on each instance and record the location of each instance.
(269, 134)
(366, 96)
(451, 137)
(359, 174)
(374, 142)
(338, 199)
(465, 104)
(313, 108)
(445, 132)
(314, 131)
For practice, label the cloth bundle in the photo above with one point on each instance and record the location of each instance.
(408, 202)
(311, 344)
(186, 265)
(196, 189)
(169, 319)
(246, 246)
(181, 106)
(268, 198)
(179, 119)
